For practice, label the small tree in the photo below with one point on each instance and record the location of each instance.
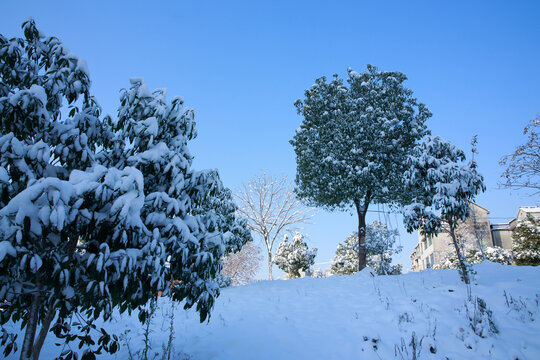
(441, 185)
(294, 258)
(352, 145)
(270, 206)
(242, 266)
(380, 244)
(523, 166)
(526, 242)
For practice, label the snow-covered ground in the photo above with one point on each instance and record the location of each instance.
(355, 317)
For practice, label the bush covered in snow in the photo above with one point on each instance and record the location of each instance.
(294, 258)
(526, 242)
(474, 256)
(92, 208)
(380, 245)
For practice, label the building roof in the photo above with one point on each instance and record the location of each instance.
(481, 207)
(502, 226)
(530, 209)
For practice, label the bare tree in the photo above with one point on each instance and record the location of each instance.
(270, 205)
(523, 166)
(242, 266)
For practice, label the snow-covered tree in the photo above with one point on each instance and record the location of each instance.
(317, 273)
(441, 185)
(270, 206)
(189, 214)
(352, 145)
(475, 256)
(345, 261)
(294, 257)
(380, 245)
(91, 211)
(523, 166)
(526, 242)
(242, 266)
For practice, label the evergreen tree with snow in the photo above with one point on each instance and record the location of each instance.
(380, 244)
(441, 184)
(351, 148)
(294, 257)
(92, 211)
(526, 242)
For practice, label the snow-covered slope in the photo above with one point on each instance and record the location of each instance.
(357, 317)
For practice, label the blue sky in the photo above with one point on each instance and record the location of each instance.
(241, 65)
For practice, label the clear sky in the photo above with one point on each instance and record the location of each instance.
(241, 65)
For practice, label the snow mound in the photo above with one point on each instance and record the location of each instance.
(423, 315)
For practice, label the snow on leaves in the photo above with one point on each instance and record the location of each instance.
(441, 185)
(354, 139)
(294, 258)
(97, 213)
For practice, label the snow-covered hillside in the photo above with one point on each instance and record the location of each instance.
(356, 317)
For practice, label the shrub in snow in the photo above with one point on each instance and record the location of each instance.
(526, 242)
(352, 146)
(480, 318)
(92, 210)
(380, 244)
(294, 257)
(440, 186)
(474, 256)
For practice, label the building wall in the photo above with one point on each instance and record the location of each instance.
(502, 238)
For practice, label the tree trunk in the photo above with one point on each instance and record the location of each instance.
(461, 259)
(43, 333)
(31, 326)
(269, 265)
(361, 212)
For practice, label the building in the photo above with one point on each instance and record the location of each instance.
(475, 232)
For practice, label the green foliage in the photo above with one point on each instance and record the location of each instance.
(526, 242)
(354, 141)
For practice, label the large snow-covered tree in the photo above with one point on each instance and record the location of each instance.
(294, 257)
(441, 185)
(380, 246)
(91, 211)
(523, 166)
(270, 206)
(351, 148)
